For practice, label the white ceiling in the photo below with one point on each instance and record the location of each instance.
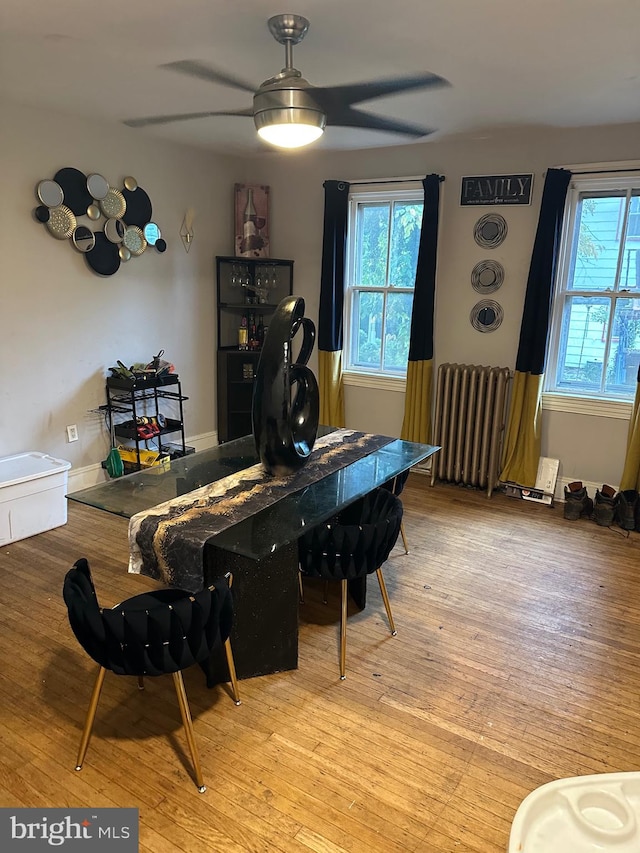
(510, 62)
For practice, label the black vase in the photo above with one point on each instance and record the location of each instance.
(286, 401)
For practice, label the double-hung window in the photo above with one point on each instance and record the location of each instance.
(595, 331)
(382, 253)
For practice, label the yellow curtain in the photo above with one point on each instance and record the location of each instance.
(416, 425)
(523, 437)
(331, 388)
(631, 473)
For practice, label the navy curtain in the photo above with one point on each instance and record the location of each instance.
(523, 436)
(416, 425)
(334, 245)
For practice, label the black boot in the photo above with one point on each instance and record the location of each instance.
(604, 506)
(626, 503)
(576, 501)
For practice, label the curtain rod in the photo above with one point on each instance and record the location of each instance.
(390, 181)
(605, 171)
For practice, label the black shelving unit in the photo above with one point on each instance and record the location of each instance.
(244, 286)
(149, 396)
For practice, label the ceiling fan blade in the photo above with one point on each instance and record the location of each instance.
(355, 93)
(196, 68)
(153, 120)
(346, 117)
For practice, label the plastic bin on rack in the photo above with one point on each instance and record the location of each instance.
(33, 487)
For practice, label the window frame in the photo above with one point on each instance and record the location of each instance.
(577, 399)
(371, 193)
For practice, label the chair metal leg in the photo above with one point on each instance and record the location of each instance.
(343, 631)
(300, 588)
(140, 682)
(404, 538)
(325, 592)
(387, 603)
(188, 729)
(91, 715)
(232, 671)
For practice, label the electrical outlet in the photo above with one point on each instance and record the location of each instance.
(72, 433)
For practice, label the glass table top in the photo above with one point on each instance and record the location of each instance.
(278, 524)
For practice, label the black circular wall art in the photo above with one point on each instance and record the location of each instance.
(486, 315)
(490, 230)
(487, 276)
(96, 217)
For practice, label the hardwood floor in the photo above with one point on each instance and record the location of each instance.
(516, 662)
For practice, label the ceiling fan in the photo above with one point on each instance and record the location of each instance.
(287, 110)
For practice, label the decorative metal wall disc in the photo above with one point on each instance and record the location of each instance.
(62, 222)
(41, 213)
(487, 276)
(125, 254)
(83, 238)
(490, 230)
(103, 259)
(93, 212)
(113, 204)
(50, 193)
(486, 315)
(114, 230)
(134, 240)
(97, 186)
(139, 210)
(74, 187)
(151, 233)
(130, 183)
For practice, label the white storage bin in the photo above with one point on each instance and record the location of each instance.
(33, 487)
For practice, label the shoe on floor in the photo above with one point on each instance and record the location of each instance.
(604, 506)
(576, 501)
(626, 503)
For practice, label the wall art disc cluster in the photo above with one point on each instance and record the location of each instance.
(107, 224)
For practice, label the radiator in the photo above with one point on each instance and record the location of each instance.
(469, 421)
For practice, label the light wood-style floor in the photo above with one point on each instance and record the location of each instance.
(516, 662)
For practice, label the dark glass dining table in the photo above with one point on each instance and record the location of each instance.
(260, 550)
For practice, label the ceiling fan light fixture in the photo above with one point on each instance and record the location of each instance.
(290, 127)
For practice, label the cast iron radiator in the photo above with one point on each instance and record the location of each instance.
(469, 422)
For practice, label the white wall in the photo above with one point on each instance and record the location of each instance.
(61, 325)
(589, 448)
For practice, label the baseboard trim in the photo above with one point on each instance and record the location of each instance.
(91, 475)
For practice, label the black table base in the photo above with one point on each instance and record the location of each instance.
(264, 637)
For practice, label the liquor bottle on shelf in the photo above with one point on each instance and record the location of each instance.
(260, 331)
(243, 334)
(253, 332)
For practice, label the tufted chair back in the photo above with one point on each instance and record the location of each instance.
(155, 633)
(353, 544)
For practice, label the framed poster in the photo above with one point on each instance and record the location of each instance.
(251, 239)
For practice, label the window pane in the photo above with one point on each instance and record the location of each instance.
(397, 328)
(624, 356)
(405, 239)
(366, 347)
(582, 343)
(596, 245)
(372, 245)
